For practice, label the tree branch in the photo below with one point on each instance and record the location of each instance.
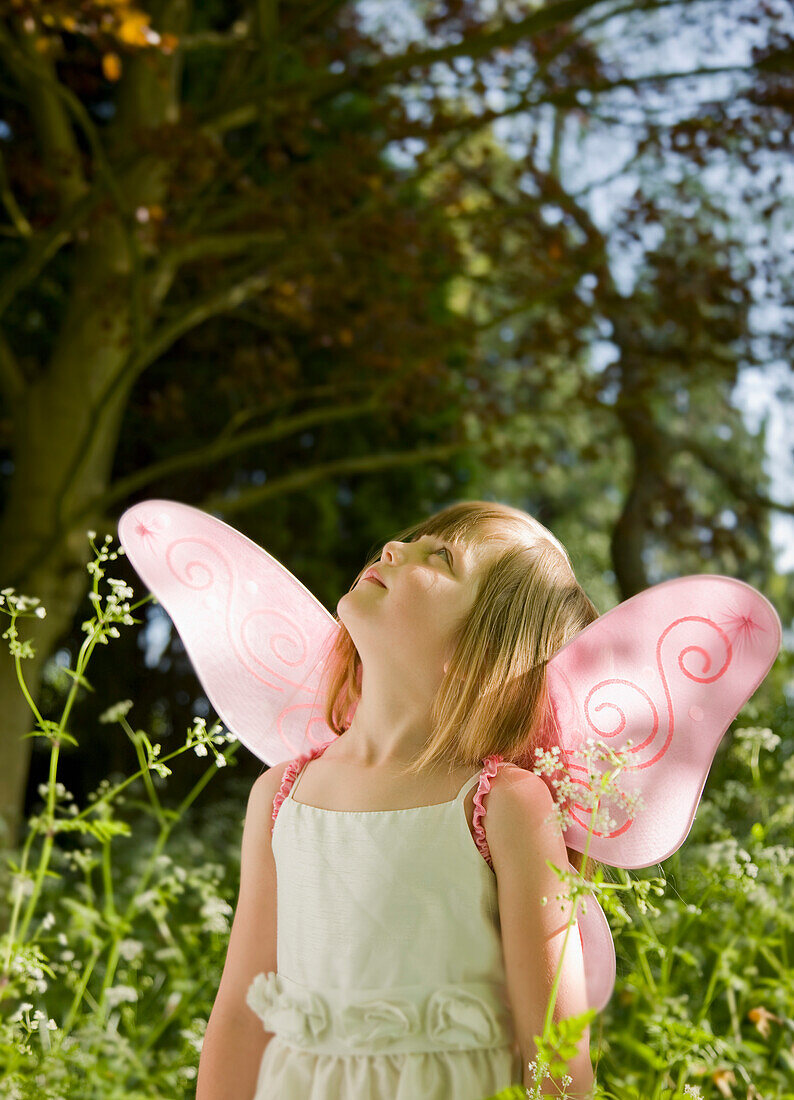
(12, 378)
(323, 10)
(564, 97)
(42, 246)
(223, 446)
(359, 464)
(219, 301)
(56, 139)
(733, 480)
(238, 37)
(227, 298)
(215, 245)
(370, 78)
(15, 213)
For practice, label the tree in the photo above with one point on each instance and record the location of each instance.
(166, 193)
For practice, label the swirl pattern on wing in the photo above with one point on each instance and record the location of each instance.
(652, 673)
(256, 636)
(278, 634)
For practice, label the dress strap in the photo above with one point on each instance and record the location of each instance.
(491, 765)
(467, 786)
(291, 772)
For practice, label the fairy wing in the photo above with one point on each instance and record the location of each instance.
(255, 635)
(598, 951)
(669, 669)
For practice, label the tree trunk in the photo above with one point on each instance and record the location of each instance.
(65, 434)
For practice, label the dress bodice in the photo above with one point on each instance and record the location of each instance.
(388, 928)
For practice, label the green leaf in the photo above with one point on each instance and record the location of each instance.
(645, 1052)
(85, 915)
(75, 675)
(102, 830)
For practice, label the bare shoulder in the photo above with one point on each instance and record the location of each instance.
(265, 788)
(520, 805)
(513, 783)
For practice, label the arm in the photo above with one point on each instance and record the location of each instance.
(235, 1039)
(520, 842)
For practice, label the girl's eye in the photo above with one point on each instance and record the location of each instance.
(443, 550)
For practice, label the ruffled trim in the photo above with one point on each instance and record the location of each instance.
(291, 772)
(491, 766)
(449, 1017)
(297, 1022)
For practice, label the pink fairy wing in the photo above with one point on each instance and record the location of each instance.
(669, 669)
(598, 952)
(255, 635)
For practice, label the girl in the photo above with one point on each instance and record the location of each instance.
(389, 941)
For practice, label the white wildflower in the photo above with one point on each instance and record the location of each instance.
(117, 994)
(215, 911)
(760, 736)
(146, 898)
(130, 950)
(115, 712)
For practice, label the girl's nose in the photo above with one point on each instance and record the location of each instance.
(395, 552)
(391, 552)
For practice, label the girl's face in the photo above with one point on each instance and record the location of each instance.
(430, 585)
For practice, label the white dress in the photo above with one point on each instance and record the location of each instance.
(390, 982)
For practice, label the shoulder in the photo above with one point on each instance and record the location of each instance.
(269, 781)
(264, 790)
(513, 785)
(521, 811)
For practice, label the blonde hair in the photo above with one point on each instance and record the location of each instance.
(493, 696)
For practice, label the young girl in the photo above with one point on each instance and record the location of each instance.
(389, 941)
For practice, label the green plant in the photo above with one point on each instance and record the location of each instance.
(704, 997)
(87, 1017)
(113, 946)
